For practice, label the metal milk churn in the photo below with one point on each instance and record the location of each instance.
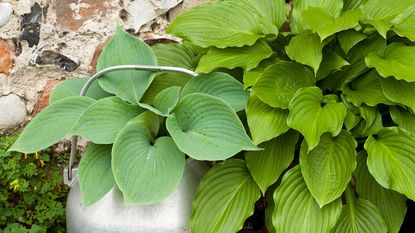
(112, 215)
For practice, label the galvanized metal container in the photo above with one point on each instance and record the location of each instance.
(111, 215)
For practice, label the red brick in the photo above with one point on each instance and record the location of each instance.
(43, 100)
(67, 17)
(6, 58)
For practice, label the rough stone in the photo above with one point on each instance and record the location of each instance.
(139, 13)
(12, 111)
(72, 14)
(43, 100)
(6, 12)
(50, 57)
(6, 58)
(30, 25)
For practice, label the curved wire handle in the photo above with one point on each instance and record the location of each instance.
(74, 139)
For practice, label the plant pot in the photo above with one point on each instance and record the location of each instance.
(111, 214)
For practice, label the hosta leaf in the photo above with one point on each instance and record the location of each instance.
(104, 119)
(327, 169)
(269, 209)
(398, 61)
(175, 55)
(267, 165)
(391, 204)
(405, 119)
(351, 120)
(125, 49)
(296, 210)
(206, 128)
(150, 120)
(399, 91)
(220, 24)
(145, 173)
(349, 38)
(367, 89)
(220, 85)
(361, 216)
(95, 174)
(403, 24)
(278, 83)
(164, 102)
(247, 57)
(311, 119)
(391, 159)
(331, 62)
(297, 24)
(72, 87)
(225, 197)
(326, 25)
(352, 4)
(265, 122)
(311, 54)
(250, 77)
(372, 118)
(273, 11)
(161, 82)
(51, 125)
(380, 13)
(374, 44)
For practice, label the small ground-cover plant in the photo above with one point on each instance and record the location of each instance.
(32, 194)
(329, 106)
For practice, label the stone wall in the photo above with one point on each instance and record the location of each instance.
(45, 41)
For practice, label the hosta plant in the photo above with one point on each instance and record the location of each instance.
(311, 107)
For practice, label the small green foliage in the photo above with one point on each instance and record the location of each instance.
(32, 194)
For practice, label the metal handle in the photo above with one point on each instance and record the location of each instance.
(74, 139)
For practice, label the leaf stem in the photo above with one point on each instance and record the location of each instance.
(349, 193)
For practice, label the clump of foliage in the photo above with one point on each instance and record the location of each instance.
(329, 105)
(32, 194)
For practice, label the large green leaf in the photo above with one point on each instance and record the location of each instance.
(145, 173)
(405, 119)
(331, 7)
(311, 54)
(267, 165)
(311, 119)
(380, 13)
(95, 174)
(220, 24)
(326, 25)
(327, 169)
(265, 122)
(360, 216)
(220, 85)
(125, 49)
(150, 120)
(399, 91)
(104, 119)
(348, 39)
(225, 197)
(206, 128)
(391, 204)
(367, 89)
(164, 102)
(273, 11)
(52, 124)
(247, 57)
(391, 159)
(352, 4)
(162, 81)
(175, 55)
(331, 62)
(278, 83)
(403, 24)
(72, 87)
(269, 209)
(296, 210)
(398, 61)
